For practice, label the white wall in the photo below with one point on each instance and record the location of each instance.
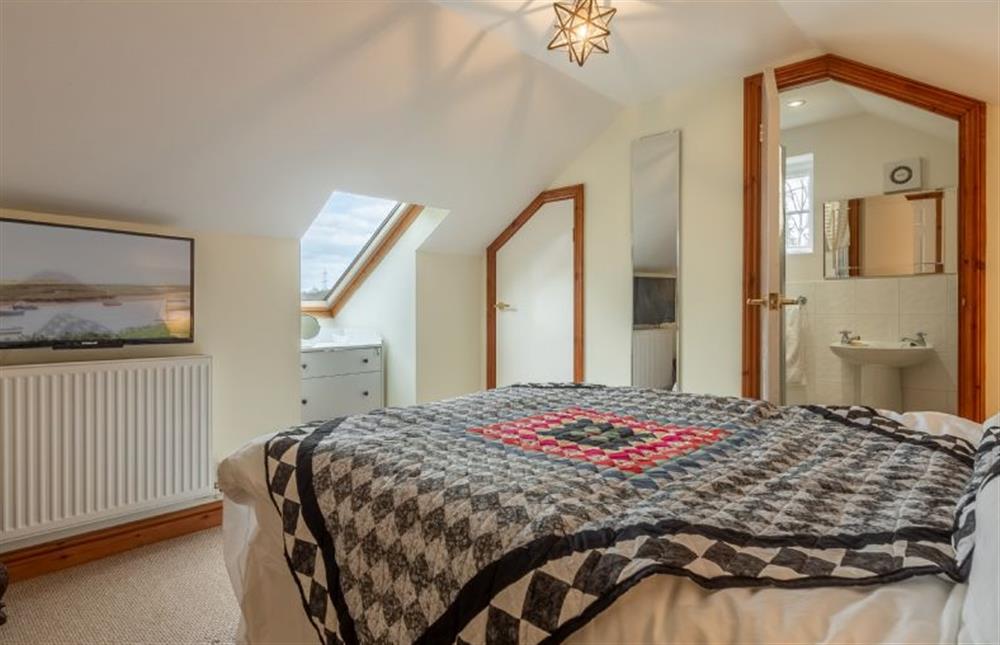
(246, 319)
(386, 303)
(848, 155)
(427, 307)
(450, 325)
(710, 118)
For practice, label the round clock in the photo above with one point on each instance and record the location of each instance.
(901, 174)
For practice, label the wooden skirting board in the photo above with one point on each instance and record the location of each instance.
(77, 549)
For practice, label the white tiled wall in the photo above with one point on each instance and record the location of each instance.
(880, 309)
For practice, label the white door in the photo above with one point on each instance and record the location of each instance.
(772, 243)
(535, 299)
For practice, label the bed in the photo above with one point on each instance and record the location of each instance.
(544, 513)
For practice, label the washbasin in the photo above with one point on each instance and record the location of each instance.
(878, 352)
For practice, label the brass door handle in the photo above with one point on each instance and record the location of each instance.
(776, 301)
(502, 306)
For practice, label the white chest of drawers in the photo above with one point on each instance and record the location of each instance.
(339, 380)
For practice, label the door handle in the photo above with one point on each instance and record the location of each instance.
(502, 306)
(776, 301)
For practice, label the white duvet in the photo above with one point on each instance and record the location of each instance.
(660, 609)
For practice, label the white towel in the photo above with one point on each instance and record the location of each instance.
(795, 345)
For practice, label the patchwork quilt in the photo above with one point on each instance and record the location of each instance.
(517, 515)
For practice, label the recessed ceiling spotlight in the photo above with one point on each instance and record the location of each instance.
(796, 103)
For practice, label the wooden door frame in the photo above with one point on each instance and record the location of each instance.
(574, 193)
(971, 117)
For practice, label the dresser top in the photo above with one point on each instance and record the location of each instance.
(333, 339)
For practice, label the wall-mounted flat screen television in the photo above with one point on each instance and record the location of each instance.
(69, 287)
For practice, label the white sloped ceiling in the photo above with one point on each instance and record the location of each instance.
(243, 117)
(657, 47)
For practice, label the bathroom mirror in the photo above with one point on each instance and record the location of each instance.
(655, 260)
(890, 235)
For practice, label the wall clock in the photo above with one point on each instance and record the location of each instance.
(899, 176)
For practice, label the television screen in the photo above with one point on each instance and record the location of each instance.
(68, 286)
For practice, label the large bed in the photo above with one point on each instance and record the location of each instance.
(542, 513)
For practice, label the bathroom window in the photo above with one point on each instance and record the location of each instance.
(798, 204)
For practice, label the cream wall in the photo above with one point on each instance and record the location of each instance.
(710, 117)
(386, 303)
(246, 319)
(450, 325)
(427, 307)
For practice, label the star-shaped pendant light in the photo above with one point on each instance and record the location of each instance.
(581, 27)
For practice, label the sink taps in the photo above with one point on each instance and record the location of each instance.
(846, 338)
(919, 341)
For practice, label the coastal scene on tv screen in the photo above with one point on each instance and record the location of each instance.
(66, 285)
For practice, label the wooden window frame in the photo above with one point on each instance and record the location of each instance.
(971, 117)
(574, 193)
(339, 298)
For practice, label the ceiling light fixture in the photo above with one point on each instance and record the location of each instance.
(581, 27)
(794, 103)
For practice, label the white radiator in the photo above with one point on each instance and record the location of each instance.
(87, 442)
(653, 352)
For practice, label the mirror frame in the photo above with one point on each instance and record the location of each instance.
(971, 117)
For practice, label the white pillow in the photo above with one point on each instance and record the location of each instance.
(981, 610)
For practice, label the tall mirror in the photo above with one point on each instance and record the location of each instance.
(871, 250)
(655, 260)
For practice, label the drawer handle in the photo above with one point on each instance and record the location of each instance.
(304, 366)
(304, 401)
(365, 393)
(364, 360)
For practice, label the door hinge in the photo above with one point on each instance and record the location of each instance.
(760, 132)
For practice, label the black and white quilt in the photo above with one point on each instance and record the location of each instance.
(517, 515)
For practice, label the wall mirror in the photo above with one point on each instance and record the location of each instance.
(890, 235)
(655, 260)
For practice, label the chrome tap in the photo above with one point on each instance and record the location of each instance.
(846, 338)
(919, 341)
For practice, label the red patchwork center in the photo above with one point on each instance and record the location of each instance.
(605, 440)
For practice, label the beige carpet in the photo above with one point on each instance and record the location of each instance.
(175, 591)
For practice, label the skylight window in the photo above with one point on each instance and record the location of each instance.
(338, 238)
